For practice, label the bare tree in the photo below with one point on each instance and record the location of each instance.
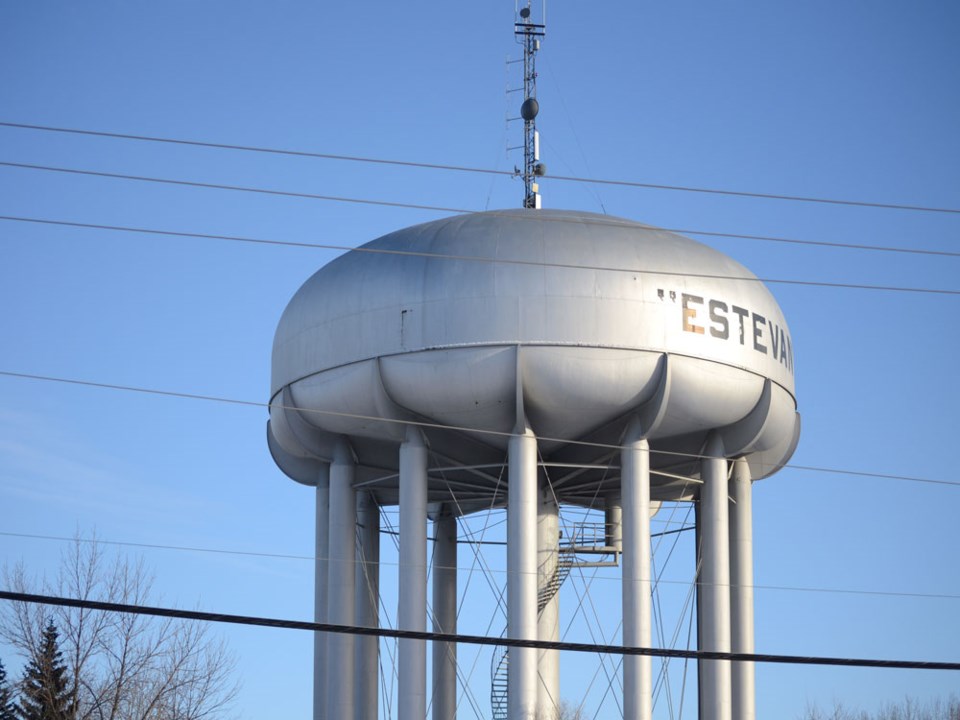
(908, 709)
(122, 666)
(569, 711)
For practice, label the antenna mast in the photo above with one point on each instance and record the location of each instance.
(528, 33)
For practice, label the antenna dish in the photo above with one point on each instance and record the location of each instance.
(530, 109)
(539, 169)
(525, 13)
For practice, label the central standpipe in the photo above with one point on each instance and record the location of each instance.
(412, 613)
(715, 700)
(635, 497)
(741, 590)
(367, 597)
(341, 577)
(548, 618)
(522, 571)
(445, 617)
(320, 592)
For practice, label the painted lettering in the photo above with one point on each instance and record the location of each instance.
(758, 320)
(690, 313)
(721, 327)
(743, 313)
(766, 336)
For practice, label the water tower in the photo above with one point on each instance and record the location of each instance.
(638, 365)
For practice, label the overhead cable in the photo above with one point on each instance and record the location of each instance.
(234, 188)
(311, 558)
(429, 425)
(252, 620)
(478, 258)
(686, 231)
(487, 171)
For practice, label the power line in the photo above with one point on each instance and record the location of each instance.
(311, 558)
(234, 188)
(257, 621)
(686, 231)
(815, 243)
(159, 546)
(279, 556)
(487, 171)
(432, 425)
(474, 258)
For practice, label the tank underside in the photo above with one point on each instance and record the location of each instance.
(577, 400)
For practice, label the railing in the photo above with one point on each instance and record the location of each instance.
(584, 536)
(500, 662)
(499, 682)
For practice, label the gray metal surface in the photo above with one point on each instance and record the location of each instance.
(591, 319)
(714, 627)
(444, 685)
(341, 579)
(320, 570)
(412, 612)
(367, 608)
(743, 675)
(548, 600)
(636, 583)
(522, 573)
(537, 339)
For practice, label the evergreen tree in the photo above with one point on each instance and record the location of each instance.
(45, 693)
(8, 710)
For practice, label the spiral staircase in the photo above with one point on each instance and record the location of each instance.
(581, 548)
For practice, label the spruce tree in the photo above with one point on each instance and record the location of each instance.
(45, 693)
(8, 710)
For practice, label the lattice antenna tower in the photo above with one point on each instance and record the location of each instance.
(528, 34)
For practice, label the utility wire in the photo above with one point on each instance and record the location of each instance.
(311, 558)
(471, 639)
(235, 188)
(685, 231)
(430, 425)
(475, 258)
(487, 171)
(815, 243)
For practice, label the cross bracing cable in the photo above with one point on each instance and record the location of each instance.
(486, 171)
(258, 621)
(431, 425)
(464, 683)
(602, 664)
(480, 259)
(586, 594)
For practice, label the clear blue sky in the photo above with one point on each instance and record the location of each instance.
(855, 100)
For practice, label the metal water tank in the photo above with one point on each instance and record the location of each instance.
(577, 321)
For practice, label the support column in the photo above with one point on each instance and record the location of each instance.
(321, 553)
(613, 523)
(741, 590)
(548, 599)
(715, 582)
(636, 591)
(412, 613)
(367, 596)
(341, 577)
(698, 597)
(522, 571)
(445, 617)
